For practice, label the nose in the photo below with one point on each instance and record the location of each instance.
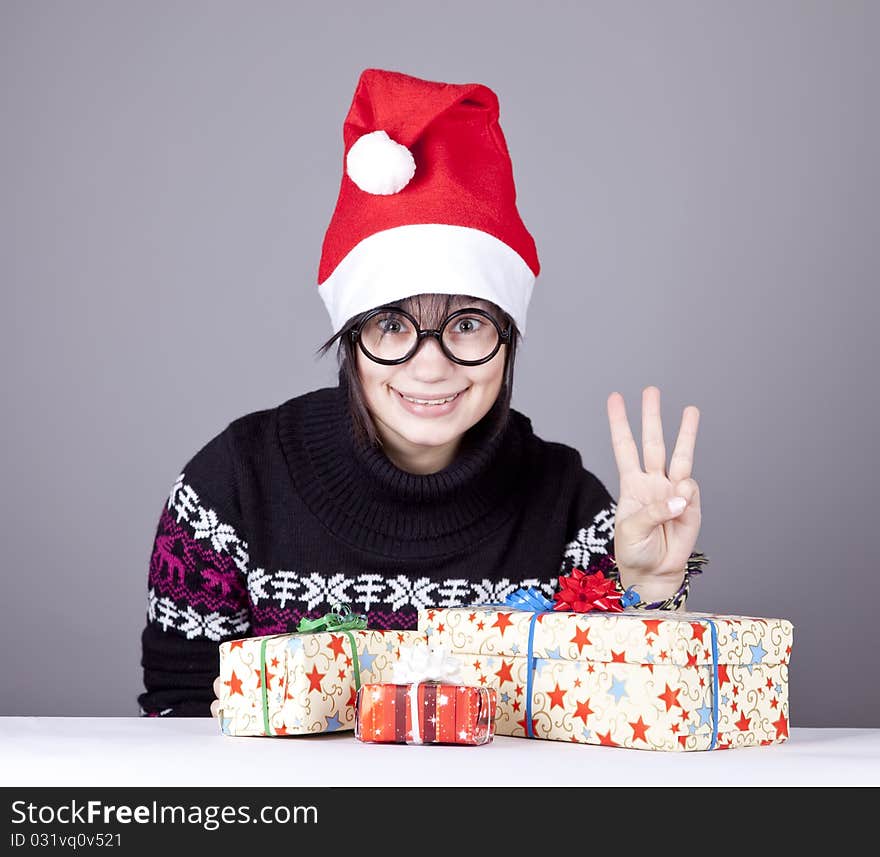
(429, 363)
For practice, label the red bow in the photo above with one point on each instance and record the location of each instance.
(580, 592)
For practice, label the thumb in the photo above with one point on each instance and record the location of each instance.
(641, 524)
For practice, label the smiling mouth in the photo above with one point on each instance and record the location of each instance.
(430, 402)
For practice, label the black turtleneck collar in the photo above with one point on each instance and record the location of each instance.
(363, 497)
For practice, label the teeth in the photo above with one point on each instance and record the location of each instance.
(424, 402)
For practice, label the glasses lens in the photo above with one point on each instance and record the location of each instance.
(470, 337)
(390, 335)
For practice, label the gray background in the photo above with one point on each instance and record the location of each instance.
(702, 183)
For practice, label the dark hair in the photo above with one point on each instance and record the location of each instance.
(437, 308)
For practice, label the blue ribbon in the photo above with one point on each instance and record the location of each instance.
(532, 600)
(528, 599)
(530, 678)
(713, 630)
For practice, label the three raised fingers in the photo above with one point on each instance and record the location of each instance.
(626, 452)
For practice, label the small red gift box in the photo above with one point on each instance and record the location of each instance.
(443, 713)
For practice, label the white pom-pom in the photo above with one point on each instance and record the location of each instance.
(376, 164)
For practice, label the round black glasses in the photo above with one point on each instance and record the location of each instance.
(468, 336)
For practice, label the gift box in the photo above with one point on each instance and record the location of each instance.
(302, 683)
(443, 713)
(637, 679)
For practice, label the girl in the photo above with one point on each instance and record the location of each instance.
(412, 483)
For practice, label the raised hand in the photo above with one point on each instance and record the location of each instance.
(654, 536)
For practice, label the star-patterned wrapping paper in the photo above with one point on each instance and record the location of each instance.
(444, 714)
(310, 680)
(626, 679)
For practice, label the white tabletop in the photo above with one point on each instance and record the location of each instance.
(150, 751)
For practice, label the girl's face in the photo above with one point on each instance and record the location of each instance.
(421, 437)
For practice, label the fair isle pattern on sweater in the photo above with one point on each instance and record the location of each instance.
(591, 542)
(197, 571)
(199, 579)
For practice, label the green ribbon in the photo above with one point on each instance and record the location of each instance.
(339, 619)
(343, 620)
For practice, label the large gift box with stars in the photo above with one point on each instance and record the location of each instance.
(304, 683)
(677, 681)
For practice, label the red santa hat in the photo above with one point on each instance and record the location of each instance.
(427, 201)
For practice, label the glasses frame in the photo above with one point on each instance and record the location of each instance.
(421, 335)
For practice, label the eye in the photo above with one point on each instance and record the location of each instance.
(468, 324)
(389, 323)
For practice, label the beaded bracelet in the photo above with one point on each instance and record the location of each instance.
(694, 565)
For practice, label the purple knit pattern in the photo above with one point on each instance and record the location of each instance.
(183, 568)
(274, 620)
(603, 563)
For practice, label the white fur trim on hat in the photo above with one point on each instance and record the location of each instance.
(425, 258)
(379, 165)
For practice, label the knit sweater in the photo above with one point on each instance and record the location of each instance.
(284, 514)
